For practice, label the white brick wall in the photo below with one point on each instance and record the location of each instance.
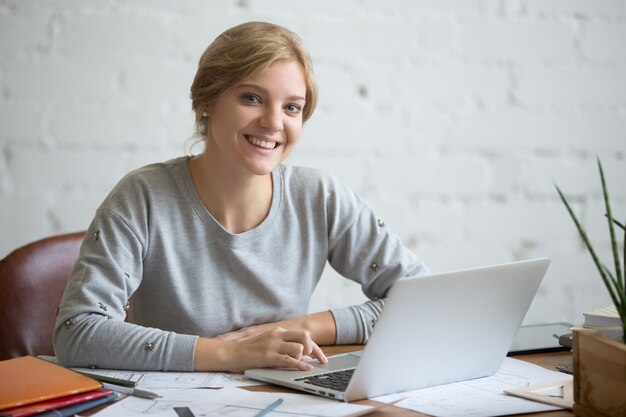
(452, 118)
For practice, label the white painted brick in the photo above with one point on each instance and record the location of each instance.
(605, 133)
(604, 41)
(367, 40)
(447, 116)
(512, 129)
(436, 175)
(430, 128)
(20, 121)
(323, 8)
(22, 220)
(452, 86)
(177, 123)
(338, 87)
(73, 211)
(572, 87)
(419, 221)
(196, 32)
(65, 6)
(507, 175)
(116, 38)
(157, 82)
(534, 223)
(517, 40)
(98, 126)
(443, 221)
(358, 129)
(604, 8)
(593, 219)
(134, 160)
(418, 7)
(436, 36)
(449, 256)
(350, 170)
(14, 40)
(55, 78)
(335, 291)
(36, 169)
(575, 177)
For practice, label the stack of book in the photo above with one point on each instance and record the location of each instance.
(602, 317)
(31, 386)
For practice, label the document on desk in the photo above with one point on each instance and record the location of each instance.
(481, 397)
(151, 379)
(231, 402)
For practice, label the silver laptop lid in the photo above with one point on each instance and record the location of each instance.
(446, 327)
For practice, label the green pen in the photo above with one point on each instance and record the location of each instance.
(109, 379)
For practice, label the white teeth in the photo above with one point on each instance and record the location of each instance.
(261, 143)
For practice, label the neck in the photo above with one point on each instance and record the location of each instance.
(238, 200)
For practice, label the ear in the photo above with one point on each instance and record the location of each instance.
(205, 111)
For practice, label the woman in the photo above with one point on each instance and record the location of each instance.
(216, 256)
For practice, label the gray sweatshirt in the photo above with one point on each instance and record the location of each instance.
(155, 253)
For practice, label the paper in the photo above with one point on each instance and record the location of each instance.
(555, 393)
(151, 379)
(483, 396)
(231, 402)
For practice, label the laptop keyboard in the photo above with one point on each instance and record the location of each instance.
(337, 380)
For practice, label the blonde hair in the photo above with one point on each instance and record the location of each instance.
(241, 52)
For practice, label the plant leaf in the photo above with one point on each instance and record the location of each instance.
(592, 252)
(618, 224)
(618, 267)
(620, 294)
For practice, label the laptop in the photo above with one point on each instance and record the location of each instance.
(433, 330)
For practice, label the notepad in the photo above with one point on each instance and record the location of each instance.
(28, 380)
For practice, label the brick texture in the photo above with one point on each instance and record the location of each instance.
(453, 119)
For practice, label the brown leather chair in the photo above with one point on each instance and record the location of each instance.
(32, 280)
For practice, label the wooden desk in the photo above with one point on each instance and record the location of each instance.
(547, 360)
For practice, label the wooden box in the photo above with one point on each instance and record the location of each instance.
(599, 373)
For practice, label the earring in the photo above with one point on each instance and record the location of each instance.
(205, 114)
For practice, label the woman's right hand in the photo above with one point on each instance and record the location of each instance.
(275, 348)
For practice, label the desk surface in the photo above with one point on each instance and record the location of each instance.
(547, 360)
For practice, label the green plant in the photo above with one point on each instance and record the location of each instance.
(614, 283)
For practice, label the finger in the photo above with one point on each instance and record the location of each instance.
(309, 346)
(287, 361)
(318, 354)
(293, 349)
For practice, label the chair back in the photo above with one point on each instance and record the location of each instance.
(32, 281)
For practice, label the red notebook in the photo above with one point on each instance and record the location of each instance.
(28, 380)
(56, 403)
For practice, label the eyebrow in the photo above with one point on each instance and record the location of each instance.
(264, 91)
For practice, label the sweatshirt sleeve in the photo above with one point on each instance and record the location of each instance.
(90, 329)
(368, 252)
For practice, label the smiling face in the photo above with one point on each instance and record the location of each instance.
(254, 125)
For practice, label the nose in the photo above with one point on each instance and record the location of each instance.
(272, 119)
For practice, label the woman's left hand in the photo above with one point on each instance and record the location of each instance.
(320, 325)
(251, 331)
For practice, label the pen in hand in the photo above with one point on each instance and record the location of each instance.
(269, 408)
(131, 391)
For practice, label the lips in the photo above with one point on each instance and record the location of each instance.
(261, 143)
